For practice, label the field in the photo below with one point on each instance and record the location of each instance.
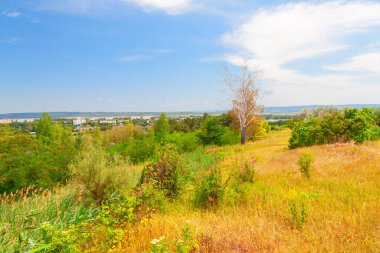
(336, 210)
(342, 197)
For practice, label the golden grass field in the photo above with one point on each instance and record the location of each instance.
(343, 200)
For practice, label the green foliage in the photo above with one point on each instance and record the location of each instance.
(45, 127)
(116, 212)
(229, 137)
(360, 124)
(304, 163)
(102, 174)
(377, 116)
(211, 131)
(140, 150)
(187, 243)
(299, 213)
(185, 142)
(56, 240)
(350, 125)
(161, 127)
(246, 172)
(209, 192)
(165, 172)
(25, 160)
(45, 222)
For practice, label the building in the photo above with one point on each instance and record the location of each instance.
(5, 121)
(79, 121)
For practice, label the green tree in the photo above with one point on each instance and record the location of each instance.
(211, 131)
(161, 127)
(45, 127)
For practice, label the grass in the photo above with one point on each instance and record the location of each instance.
(342, 199)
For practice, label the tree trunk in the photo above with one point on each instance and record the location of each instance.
(243, 136)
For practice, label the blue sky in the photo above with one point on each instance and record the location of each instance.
(167, 55)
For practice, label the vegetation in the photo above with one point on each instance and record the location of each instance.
(334, 126)
(192, 187)
(245, 97)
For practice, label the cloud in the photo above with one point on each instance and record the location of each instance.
(276, 37)
(367, 63)
(133, 58)
(11, 14)
(172, 7)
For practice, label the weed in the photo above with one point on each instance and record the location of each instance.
(304, 163)
(210, 190)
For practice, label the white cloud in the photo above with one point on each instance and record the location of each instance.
(367, 63)
(274, 37)
(12, 14)
(133, 58)
(172, 7)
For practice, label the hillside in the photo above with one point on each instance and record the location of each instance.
(281, 211)
(342, 198)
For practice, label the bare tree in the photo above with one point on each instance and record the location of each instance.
(245, 96)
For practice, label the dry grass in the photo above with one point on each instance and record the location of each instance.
(343, 199)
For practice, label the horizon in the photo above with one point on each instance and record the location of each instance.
(141, 56)
(272, 110)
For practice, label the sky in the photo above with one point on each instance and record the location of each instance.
(169, 55)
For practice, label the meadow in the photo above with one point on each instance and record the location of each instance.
(277, 210)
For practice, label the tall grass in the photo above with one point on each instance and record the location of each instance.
(21, 218)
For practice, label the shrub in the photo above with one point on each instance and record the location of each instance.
(229, 137)
(298, 213)
(188, 242)
(246, 172)
(304, 163)
(101, 173)
(139, 150)
(114, 213)
(360, 124)
(335, 126)
(211, 131)
(56, 240)
(210, 191)
(186, 142)
(164, 173)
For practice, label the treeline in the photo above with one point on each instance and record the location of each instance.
(43, 159)
(326, 125)
(139, 144)
(40, 160)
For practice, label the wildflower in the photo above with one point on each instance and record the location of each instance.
(155, 241)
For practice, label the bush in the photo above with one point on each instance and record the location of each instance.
(360, 124)
(101, 173)
(121, 211)
(211, 131)
(304, 163)
(140, 150)
(246, 172)
(164, 173)
(350, 125)
(186, 142)
(229, 137)
(298, 213)
(210, 191)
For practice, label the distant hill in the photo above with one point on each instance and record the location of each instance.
(268, 110)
